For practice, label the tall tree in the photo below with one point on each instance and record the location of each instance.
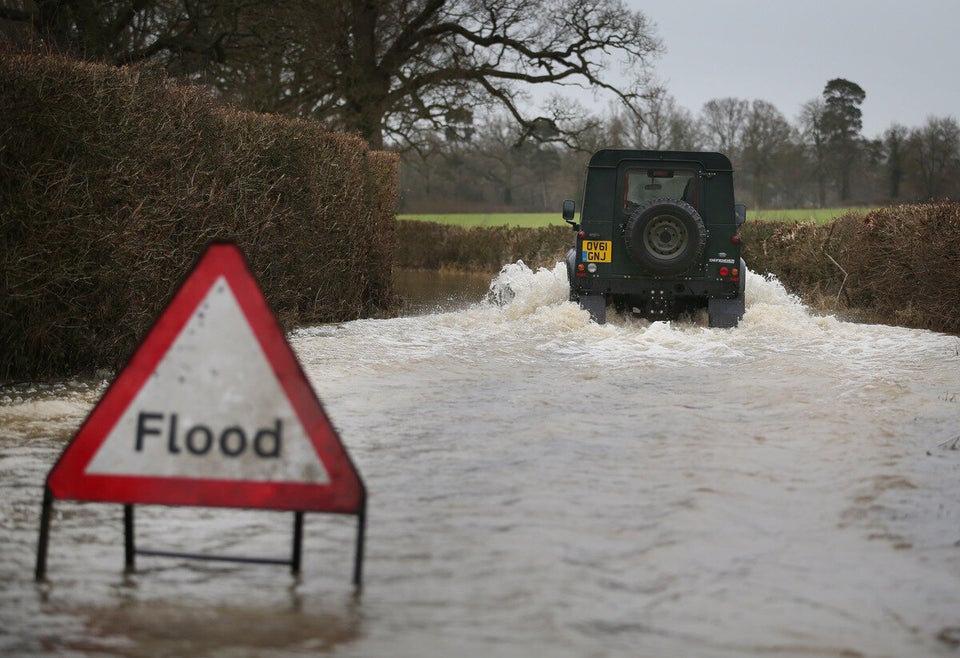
(766, 134)
(386, 69)
(894, 146)
(393, 68)
(722, 121)
(936, 155)
(660, 124)
(842, 123)
(814, 135)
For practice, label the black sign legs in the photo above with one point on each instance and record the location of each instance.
(361, 532)
(44, 539)
(129, 546)
(297, 543)
(130, 549)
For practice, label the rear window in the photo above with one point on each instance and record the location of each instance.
(642, 185)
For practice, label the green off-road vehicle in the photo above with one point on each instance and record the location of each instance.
(658, 237)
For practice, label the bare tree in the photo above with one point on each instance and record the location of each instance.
(386, 69)
(936, 155)
(684, 130)
(894, 146)
(497, 158)
(392, 69)
(722, 121)
(814, 136)
(660, 124)
(765, 136)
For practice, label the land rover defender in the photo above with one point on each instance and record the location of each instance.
(657, 237)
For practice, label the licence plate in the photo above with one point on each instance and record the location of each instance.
(597, 251)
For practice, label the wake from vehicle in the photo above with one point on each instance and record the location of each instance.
(534, 304)
(520, 291)
(526, 318)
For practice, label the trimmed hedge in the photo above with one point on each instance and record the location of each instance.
(114, 180)
(898, 265)
(432, 246)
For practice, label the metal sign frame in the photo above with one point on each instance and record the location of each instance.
(131, 551)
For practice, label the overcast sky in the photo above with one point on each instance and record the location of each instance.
(905, 54)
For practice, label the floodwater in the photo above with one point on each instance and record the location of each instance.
(541, 485)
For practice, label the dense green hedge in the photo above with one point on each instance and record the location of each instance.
(113, 181)
(897, 265)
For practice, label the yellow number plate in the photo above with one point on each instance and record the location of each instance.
(596, 251)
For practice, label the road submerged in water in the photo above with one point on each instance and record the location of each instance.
(542, 485)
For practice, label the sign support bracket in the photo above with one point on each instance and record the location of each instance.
(131, 551)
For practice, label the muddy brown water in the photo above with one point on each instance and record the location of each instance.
(541, 485)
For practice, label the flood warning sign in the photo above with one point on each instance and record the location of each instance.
(213, 409)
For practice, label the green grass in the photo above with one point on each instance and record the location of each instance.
(467, 220)
(533, 220)
(819, 215)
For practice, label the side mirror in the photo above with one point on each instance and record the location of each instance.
(569, 208)
(741, 209)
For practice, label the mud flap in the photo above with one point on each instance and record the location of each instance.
(596, 304)
(726, 313)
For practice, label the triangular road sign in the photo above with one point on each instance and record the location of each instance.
(212, 410)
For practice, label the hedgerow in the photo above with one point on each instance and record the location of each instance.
(114, 180)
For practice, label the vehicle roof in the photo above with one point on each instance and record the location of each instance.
(709, 160)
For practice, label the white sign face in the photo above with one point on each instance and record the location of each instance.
(213, 409)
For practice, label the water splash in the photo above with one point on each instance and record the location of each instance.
(523, 291)
(520, 291)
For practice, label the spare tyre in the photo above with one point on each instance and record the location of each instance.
(665, 236)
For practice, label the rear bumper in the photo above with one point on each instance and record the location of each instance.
(647, 288)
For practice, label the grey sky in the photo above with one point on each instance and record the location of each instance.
(903, 53)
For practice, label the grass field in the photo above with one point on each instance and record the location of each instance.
(819, 215)
(524, 220)
(533, 220)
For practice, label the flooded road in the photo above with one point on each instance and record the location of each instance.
(542, 485)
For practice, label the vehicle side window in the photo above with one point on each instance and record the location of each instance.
(642, 185)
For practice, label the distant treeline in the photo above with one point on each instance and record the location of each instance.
(895, 265)
(113, 181)
(778, 163)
